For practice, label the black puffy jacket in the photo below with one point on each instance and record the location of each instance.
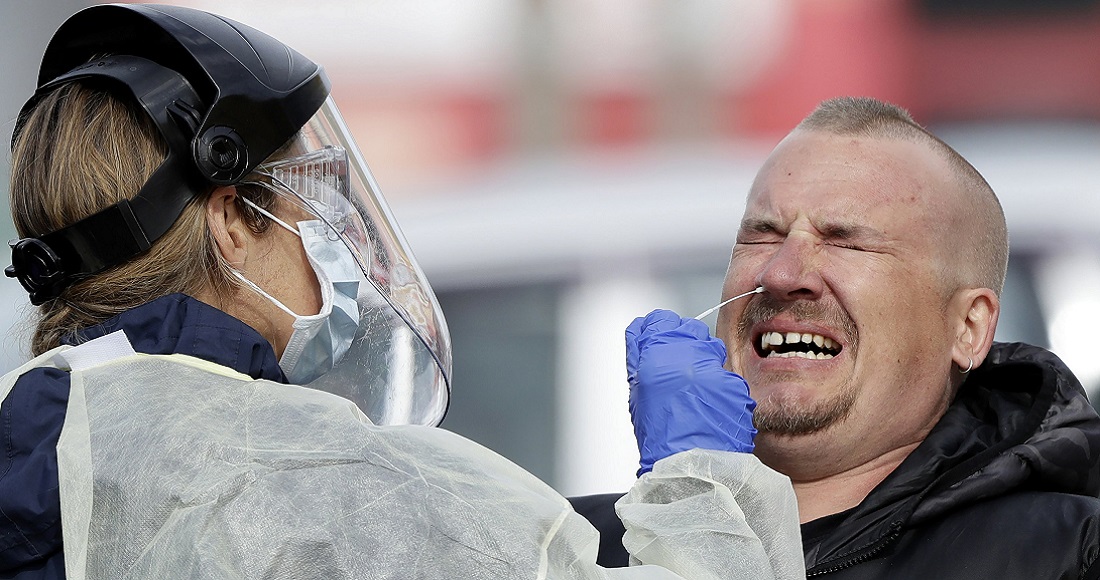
(1005, 486)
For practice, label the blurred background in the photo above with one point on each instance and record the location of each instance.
(562, 166)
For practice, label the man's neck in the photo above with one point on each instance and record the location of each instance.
(827, 491)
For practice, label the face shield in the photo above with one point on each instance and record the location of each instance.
(223, 96)
(397, 369)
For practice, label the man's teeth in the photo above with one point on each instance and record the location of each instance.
(795, 344)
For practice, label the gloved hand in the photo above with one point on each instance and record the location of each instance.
(680, 396)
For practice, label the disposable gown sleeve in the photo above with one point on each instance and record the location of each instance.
(699, 515)
(171, 468)
(714, 514)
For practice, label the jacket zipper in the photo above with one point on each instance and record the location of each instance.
(867, 553)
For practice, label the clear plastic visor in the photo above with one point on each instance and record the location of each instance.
(398, 367)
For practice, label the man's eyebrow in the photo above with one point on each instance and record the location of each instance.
(830, 231)
(849, 231)
(759, 225)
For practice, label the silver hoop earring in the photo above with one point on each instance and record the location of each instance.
(969, 366)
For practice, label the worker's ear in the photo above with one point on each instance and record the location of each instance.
(976, 322)
(227, 226)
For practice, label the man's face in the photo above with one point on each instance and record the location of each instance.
(848, 349)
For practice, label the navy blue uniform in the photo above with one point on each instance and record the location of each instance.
(32, 416)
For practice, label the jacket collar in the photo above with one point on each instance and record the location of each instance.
(179, 324)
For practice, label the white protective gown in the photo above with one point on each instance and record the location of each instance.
(174, 467)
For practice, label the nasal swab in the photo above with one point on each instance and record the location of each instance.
(758, 290)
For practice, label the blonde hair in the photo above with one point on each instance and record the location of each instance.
(986, 254)
(81, 150)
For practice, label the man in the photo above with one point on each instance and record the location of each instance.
(917, 447)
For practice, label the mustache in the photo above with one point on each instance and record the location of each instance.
(763, 307)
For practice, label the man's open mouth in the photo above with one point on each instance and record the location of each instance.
(796, 344)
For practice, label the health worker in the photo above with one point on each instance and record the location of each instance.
(239, 366)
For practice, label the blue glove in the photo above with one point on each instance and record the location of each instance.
(680, 396)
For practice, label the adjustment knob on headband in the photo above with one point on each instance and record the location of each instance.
(221, 155)
(38, 268)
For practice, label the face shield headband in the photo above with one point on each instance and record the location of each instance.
(397, 369)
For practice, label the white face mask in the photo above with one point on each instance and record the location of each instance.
(319, 340)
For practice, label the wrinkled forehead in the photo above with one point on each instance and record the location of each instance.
(877, 182)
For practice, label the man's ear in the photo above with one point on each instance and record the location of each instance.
(227, 226)
(979, 309)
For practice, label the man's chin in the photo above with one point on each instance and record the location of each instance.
(786, 418)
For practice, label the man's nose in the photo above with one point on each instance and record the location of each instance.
(793, 272)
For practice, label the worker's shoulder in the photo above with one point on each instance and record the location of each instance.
(38, 398)
(31, 418)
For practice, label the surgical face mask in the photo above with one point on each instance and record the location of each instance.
(320, 340)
